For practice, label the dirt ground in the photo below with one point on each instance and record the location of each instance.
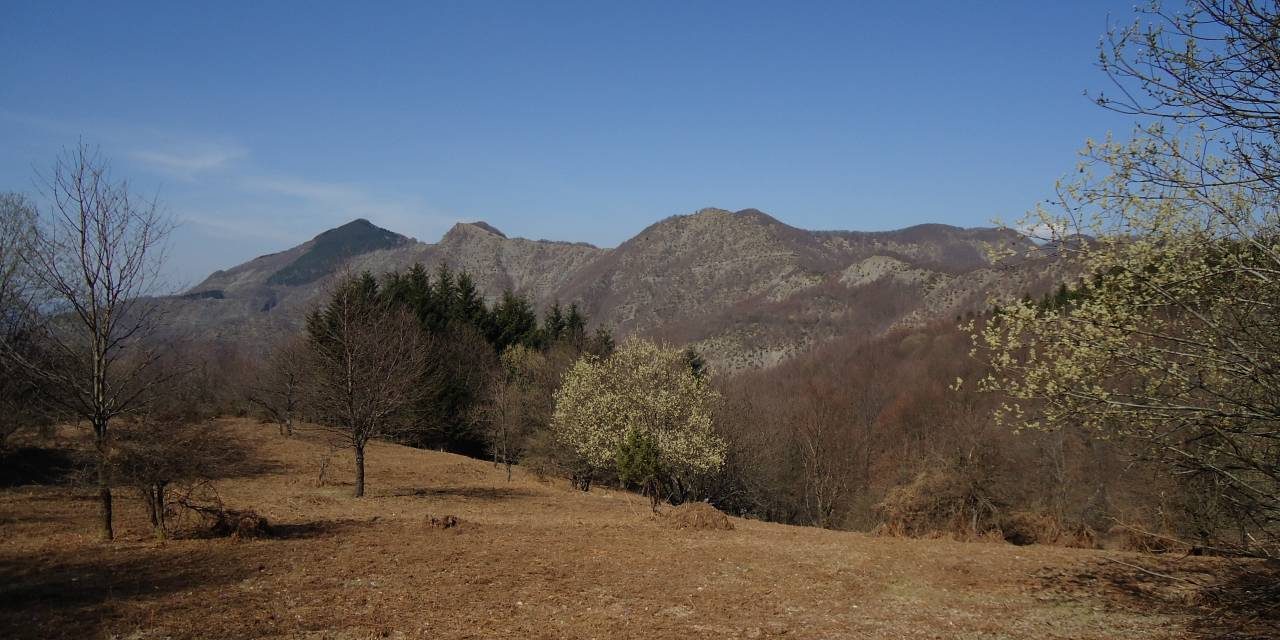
(532, 559)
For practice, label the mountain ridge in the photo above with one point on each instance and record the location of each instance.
(746, 288)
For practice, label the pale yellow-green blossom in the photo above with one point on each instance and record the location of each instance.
(1172, 336)
(645, 387)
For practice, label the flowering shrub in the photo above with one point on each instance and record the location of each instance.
(645, 388)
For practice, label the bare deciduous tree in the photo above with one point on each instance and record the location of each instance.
(834, 432)
(365, 361)
(17, 236)
(1210, 63)
(97, 254)
(277, 386)
(515, 404)
(18, 301)
(501, 414)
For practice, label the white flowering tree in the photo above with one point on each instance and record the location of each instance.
(1172, 340)
(647, 389)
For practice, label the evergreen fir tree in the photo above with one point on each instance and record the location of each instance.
(553, 323)
(575, 325)
(467, 306)
(695, 362)
(514, 322)
(600, 344)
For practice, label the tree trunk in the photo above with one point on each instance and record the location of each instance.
(360, 471)
(104, 485)
(149, 495)
(508, 461)
(156, 497)
(679, 491)
(650, 487)
(104, 495)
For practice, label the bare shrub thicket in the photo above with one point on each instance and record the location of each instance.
(869, 434)
(540, 451)
(171, 447)
(220, 371)
(515, 403)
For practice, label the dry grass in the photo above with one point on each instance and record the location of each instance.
(528, 560)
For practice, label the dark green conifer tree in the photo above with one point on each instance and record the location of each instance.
(575, 325)
(553, 323)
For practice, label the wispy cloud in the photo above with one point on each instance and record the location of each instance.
(328, 192)
(222, 193)
(190, 161)
(43, 123)
(339, 202)
(181, 154)
(222, 226)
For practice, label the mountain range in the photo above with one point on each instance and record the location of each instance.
(742, 287)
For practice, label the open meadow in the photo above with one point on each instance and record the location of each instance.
(535, 559)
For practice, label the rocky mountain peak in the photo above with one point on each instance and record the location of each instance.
(485, 226)
(463, 231)
(330, 249)
(711, 212)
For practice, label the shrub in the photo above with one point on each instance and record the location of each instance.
(638, 465)
(698, 515)
(645, 388)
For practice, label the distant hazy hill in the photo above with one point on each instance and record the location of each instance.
(745, 288)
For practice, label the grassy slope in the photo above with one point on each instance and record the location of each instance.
(530, 560)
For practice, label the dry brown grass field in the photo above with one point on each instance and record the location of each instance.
(534, 559)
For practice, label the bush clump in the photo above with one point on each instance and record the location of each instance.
(443, 522)
(237, 525)
(698, 515)
(939, 501)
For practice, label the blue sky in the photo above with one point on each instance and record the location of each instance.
(262, 124)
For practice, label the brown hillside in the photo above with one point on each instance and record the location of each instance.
(535, 560)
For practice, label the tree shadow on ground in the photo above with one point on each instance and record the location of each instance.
(85, 595)
(64, 465)
(25, 466)
(1238, 600)
(314, 529)
(469, 492)
(1245, 604)
(28, 519)
(212, 523)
